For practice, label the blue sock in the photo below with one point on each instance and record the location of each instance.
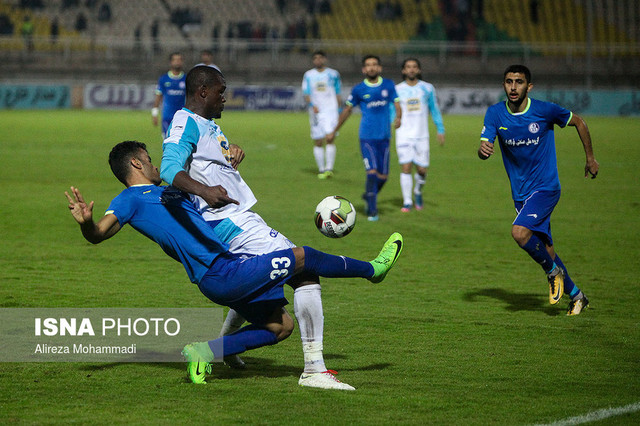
(249, 337)
(381, 183)
(371, 194)
(538, 252)
(330, 266)
(570, 287)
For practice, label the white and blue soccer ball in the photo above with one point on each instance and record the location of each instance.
(335, 216)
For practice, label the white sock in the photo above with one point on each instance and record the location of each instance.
(232, 323)
(307, 307)
(417, 189)
(330, 156)
(318, 153)
(406, 182)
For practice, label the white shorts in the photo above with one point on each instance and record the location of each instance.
(322, 124)
(414, 151)
(248, 233)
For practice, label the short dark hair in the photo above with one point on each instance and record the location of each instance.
(172, 54)
(412, 60)
(377, 58)
(520, 69)
(202, 75)
(120, 158)
(319, 52)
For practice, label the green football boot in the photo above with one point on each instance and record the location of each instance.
(387, 257)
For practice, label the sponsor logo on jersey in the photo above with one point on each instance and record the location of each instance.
(375, 104)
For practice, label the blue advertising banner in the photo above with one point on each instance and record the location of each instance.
(34, 97)
(263, 98)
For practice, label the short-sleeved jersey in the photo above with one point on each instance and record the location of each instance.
(173, 91)
(322, 87)
(527, 143)
(198, 146)
(375, 101)
(168, 217)
(416, 103)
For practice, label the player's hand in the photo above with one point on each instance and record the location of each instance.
(330, 137)
(440, 137)
(216, 196)
(591, 168)
(236, 155)
(154, 120)
(80, 211)
(486, 150)
(315, 109)
(397, 122)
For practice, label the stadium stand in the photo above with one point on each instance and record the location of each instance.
(272, 38)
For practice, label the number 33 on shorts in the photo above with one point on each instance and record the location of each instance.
(279, 265)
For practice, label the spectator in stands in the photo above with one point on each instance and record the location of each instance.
(206, 58)
(137, 38)
(81, 22)
(325, 7)
(6, 26)
(69, 4)
(90, 4)
(104, 13)
(54, 31)
(27, 32)
(155, 27)
(533, 11)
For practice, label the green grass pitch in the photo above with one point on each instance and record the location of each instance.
(460, 332)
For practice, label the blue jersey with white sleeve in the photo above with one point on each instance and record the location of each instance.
(173, 90)
(375, 101)
(527, 143)
(168, 217)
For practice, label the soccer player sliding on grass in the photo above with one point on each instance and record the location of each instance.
(524, 128)
(250, 284)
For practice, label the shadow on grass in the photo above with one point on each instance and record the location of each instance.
(255, 367)
(515, 301)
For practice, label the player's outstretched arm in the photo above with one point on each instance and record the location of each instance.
(591, 167)
(486, 149)
(83, 214)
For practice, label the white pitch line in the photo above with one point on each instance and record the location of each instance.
(595, 416)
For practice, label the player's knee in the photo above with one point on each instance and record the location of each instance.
(520, 234)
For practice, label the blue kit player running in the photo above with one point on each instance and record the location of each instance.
(374, 95)
(524, 128)
(170, 92)
(250, 284)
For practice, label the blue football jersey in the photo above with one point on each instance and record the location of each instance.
(527, 143)
(375, 101)
(167, 216)
(173, 90)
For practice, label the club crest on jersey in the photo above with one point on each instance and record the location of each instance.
(534, 127)
(224, 144)
(385, 93)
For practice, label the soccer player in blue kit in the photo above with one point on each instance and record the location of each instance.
(375, 96)
(170, 92)
(524, 128)
(250, 284)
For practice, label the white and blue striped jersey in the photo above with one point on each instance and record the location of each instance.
(198, 146)
(417, 102)
(322, 87)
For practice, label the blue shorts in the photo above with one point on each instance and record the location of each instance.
(165, 126)
(375, 154)
(250, 284)
(534, 213)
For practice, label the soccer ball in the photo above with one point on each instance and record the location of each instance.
(335, 216)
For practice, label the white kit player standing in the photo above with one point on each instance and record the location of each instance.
(321, 90)
(417, 99)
